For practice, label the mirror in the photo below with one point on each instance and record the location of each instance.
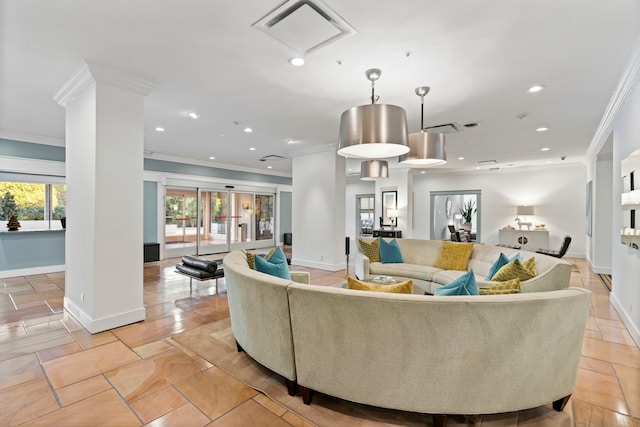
(630, 169)
(454, 209)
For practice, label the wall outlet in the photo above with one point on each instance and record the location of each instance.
(82, 297)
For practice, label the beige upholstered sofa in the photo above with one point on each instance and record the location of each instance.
(419, 257)
(259, 310)
(430, 354)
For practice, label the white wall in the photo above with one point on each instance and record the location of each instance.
(600, 247)
(625, 295)
(558, 193)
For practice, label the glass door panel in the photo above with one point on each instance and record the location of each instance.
(213, 223)
(181, 218)
(242, 212)
(365, 214)
(263, 218)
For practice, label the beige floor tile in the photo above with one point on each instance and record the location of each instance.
(146, 332)
(630, 382)
(59, 351)
(615, 334)
(24, 402)
(611, 352)
(153, 348)
(146, 376)
(87, 340)
(602, 390)
(89, 363)
(215, 392)
(82, 389)
(158, 404)
(104, 409)
(19, 370)
(250, 413)
(597, 365)
(34, 343)
(186, 415)
(269, 404)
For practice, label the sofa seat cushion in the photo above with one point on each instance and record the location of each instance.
(413, 271)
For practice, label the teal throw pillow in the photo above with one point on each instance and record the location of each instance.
(390, 252)
(501, 262)
(274, 269)
(463, 285)
(277, 256)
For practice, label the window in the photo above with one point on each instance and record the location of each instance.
(37, 205)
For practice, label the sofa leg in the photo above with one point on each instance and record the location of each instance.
(559, 404)
(439, 420)
(306, 393)
(239, 347)
(292, 387)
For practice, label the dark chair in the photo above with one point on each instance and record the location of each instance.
(561, 252)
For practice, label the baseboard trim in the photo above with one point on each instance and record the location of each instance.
(32, 271)
(319, 265)
(104, 323)
(633, 329)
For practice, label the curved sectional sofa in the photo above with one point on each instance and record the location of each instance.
(431, 354)
(420, 256)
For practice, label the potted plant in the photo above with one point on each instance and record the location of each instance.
(467, 210)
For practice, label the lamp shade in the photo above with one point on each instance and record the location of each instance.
(524, 210)
(425, 149)
(374, 169)
(392, 213)
(373, 131)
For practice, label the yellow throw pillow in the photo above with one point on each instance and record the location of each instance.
(507, 287)
(371, 250)
(398, 288)
(251, 260)
(516, 270)
(454, 255)
(271, 252)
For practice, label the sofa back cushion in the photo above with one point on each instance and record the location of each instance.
(421, 252)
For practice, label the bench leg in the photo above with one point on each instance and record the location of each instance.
(216, 286)
(190, 285)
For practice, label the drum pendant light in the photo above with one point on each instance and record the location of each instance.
(374, 169)
(373, 131)
(425, 148)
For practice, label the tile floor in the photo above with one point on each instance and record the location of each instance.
(52, 372)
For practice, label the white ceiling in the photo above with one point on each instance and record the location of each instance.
(478, 57)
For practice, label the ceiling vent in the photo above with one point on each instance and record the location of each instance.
(445, 128)
(486, 162)
(272, 157)
(304, 26)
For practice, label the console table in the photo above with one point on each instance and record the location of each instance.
(530, 240)
(396, 234)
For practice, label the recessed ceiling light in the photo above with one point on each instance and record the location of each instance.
(248, 130)
(545, 149)
(269, 167)
(252, 148)
(423, 172)
(193, 115)
(160, 129)
(460, 158)
(212, 158)
(291, 141)
(535, 88)
(542, 129)
(296, 61)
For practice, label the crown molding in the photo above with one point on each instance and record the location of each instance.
(314, 149)
(628, 82)
(31, 137)
(90, 72)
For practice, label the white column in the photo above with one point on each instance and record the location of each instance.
(318, 206)
(104, 174)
